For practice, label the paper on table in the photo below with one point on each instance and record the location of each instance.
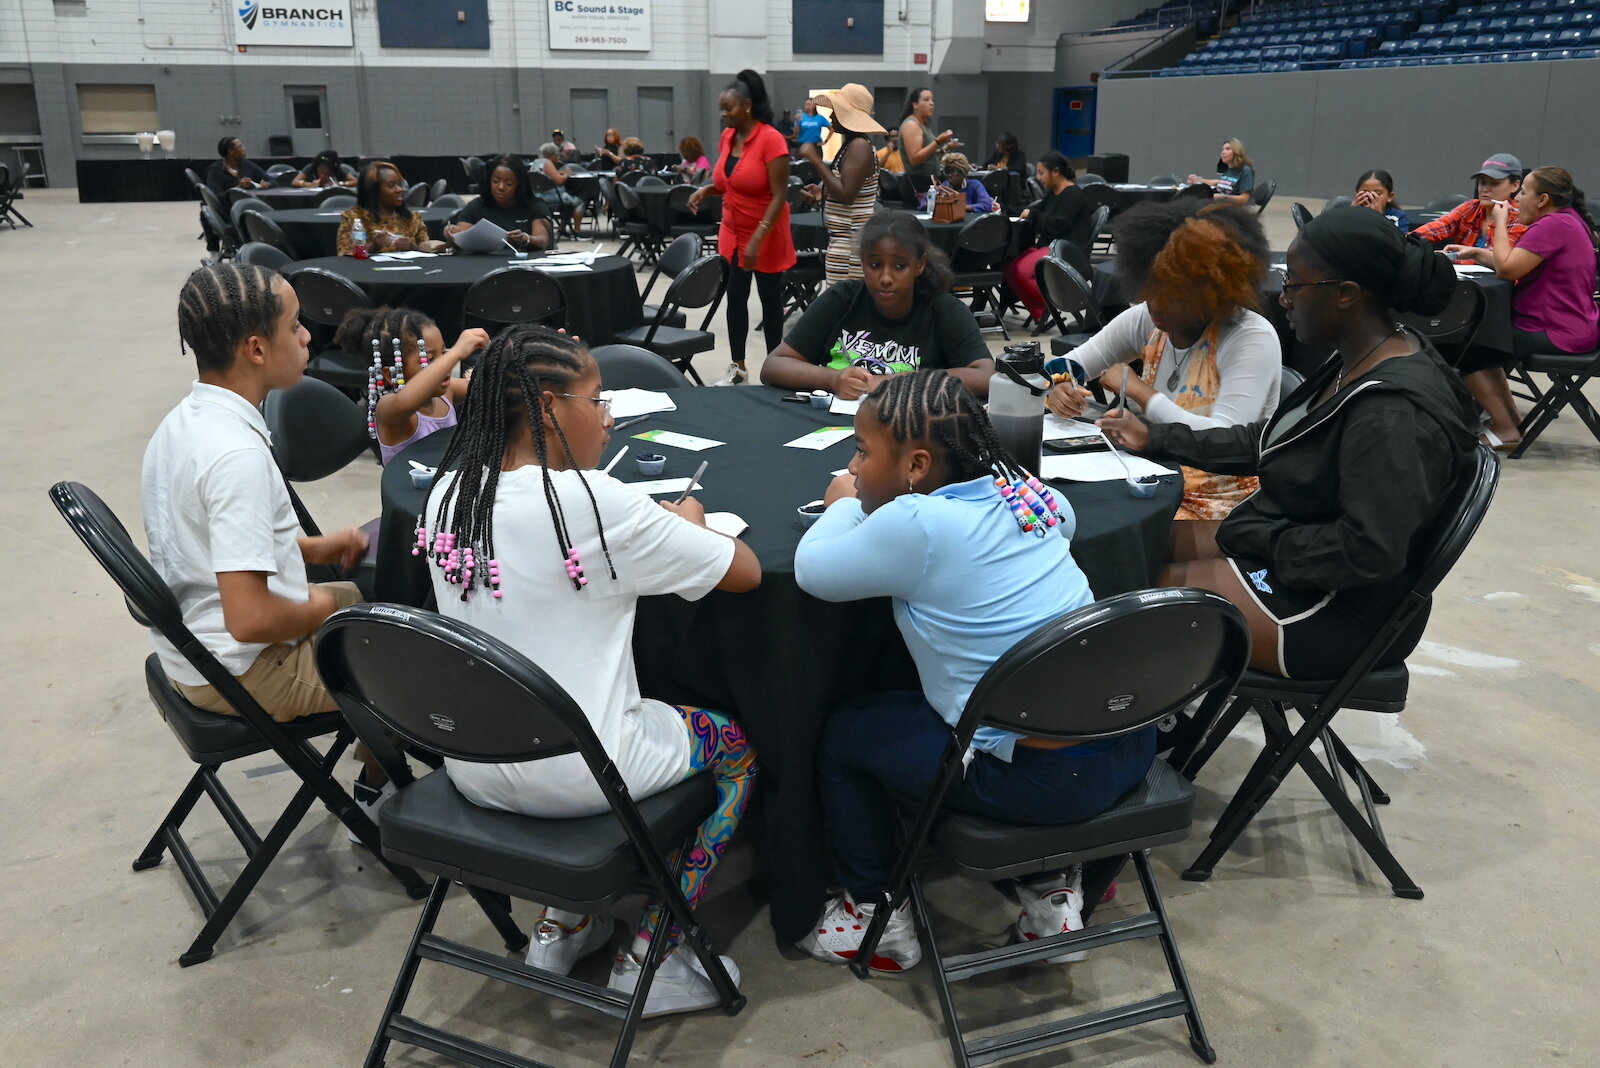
(841, 471)
(844, 407)
(627, 403)
(568, 257)
(1098, 467)
(726, 523)
(558, 268)
(1058, 429)
(413, 254)
(662, 485)
(399, 267)
(483, 236)
(678, 441)
(1473, 268)
(820, 438)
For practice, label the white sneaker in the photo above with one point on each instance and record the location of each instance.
(843, 924)
(680, 985)
(556, 948)
(1053, 911)
(736, 376)
(371, 799)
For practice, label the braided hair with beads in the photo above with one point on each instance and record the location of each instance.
(382, 334)
(935, 408)
(222, 304)
(513, 374)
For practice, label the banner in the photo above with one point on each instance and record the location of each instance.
(595, 25)
(265, 22)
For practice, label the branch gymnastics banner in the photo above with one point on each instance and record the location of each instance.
(265, 22)
(599, 25)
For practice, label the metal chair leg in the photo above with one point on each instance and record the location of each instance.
(1198, 1041)
(408, 973)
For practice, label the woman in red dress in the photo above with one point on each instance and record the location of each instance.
(752, 177)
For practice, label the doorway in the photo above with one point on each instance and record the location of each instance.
(308, 118)
(657, 127)
(1072, 133)
(591, 117)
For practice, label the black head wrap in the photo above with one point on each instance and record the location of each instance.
(1362, 246)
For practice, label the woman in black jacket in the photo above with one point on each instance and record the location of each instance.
(1059, 213)
(1355, 465)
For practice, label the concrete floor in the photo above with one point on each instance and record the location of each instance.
(1297, 950)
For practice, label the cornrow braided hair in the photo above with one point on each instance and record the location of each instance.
(507, 388)
(222, 304)
(383, 333)
(935, 408)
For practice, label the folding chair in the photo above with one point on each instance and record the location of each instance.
(509, 295)
(325, 297)
(1115, 690)
(211, 739)
(1568, 376)
(1300, 214)
(237, 209)
(634, 225)
(404, 672)
(706, 225)
(976, 263)
(10, 193)
(262, 228)
(630, 367)
(1261, 196)
(1090, 230)
(1364, 685)
(1452, 330)
(437, 190)
(701, 285)
(1066, 293)
(417, 195)
(674, 259)
(257, 254)
(228, 241)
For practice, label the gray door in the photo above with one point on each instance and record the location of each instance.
(591, 116)
(308, 118)
(656, 125)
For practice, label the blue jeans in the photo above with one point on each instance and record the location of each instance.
(892, 742)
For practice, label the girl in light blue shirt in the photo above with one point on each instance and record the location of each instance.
(921, 518)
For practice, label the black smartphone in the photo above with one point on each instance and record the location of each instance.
(1076, 445)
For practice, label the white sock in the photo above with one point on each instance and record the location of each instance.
(569, 920)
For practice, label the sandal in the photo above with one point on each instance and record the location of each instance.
(1491, 439)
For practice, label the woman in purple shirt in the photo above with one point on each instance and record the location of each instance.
(1552, 308)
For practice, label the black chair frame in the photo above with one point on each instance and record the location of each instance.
(1207, 645)
(510, 295)
(1568, 375)
(981, 247)
(1362, 686)
(253, 732)
(693, 288)
(1066, 292)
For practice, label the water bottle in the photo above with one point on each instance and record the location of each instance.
(358, 240)
(1016, 402)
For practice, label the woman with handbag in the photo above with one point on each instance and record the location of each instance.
(957, 189)
(1058, 214)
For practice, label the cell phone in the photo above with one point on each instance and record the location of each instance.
(1075, 445)
(796, 398)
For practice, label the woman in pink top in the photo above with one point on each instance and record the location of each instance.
(1552, 309)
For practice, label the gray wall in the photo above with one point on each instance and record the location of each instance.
(1316, 131)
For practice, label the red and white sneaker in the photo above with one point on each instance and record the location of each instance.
(1052, 910)
(836, 939)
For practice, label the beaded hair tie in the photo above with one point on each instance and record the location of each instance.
(379, 386)
(463, 568)
(1031, 502)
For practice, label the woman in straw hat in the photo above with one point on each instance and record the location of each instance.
(848, 188)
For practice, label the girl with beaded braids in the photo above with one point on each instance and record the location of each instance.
(975, 554)
(519, 474)
(410, 389)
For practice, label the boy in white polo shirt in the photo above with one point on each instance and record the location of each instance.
(222, 530)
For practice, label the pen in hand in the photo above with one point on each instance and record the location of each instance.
(693, 481)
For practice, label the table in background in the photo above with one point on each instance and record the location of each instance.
(810, 233)
(315, 231)
(600, 302)
(290, 199)
(776, 657)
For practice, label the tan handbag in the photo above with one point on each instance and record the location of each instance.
(949, 206)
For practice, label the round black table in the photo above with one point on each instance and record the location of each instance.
(600, 301)
(810, 233)
(315, 231)
(290, 198)
(778, 658)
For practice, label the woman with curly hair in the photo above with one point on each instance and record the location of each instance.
(1209, 359)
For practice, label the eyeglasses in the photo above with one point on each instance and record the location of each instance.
(603, 402)
(1288, 286)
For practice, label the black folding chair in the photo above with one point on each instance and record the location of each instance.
(417, 195)
(1066, 293)
(237, 209)
(437, 190)
(227, 237)
(211, 739)
(1452, 330)
(11, 191)
(1089, 230)
(404, 672)
(1445, 205)
(981, 248)
(700, 286)
(257, 254)
(261, 227)
(1261, 195)
(325, 298)
(1116, 689)
(673, 261)
(514, 295)
(1336, 202)
(630, 367)
(453, 201)
(706, 225)
(473, 167)
(638, 235)
(1300, 214)
(802, 283)
(1568, 375)
(1365, 686)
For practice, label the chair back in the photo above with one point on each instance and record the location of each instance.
(188, 172)
(1458, 520)
(1116, 687)
(982, 242)
(1445, 204)
(697, 285)
(1086, 237)
(1164, 179)
(325, 297)
(453, 201)
(998, 183)
(219, 225)
(515, 295)
(538, 181)
(630, 178)
(1458, 323)
(209, 197)
(282, 175)
(417, 195)
(244, 204)
(678, 200)
(651, 181)
(628, 201)
(338, 202)
(257, 254)
(674, 259)
(630, 367)
(1261, 196)
(316, 430)
(473, 167)
(1289, 380)
(437, 190)
(1073, 256)
(236, 194)
(1090, 178)
(1065, 290)
(1300, 214)
(1035, 189)
(1336, 202)
(259, 227)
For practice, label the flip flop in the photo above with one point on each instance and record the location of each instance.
(1491, 439)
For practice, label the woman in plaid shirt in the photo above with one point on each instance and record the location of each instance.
(1467, 228)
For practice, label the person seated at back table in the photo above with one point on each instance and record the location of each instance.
(536, 425)
(1236, 177)
(509, 204)
(1209, 359)
(889, 154)
(557, 199)
(955, 178)
(1552, 308)
(633, 158)
(899, 318)
(233, 170)
(1061, 213)
(1355, 466)
(1375, 190)
(1007, 155)
(1467, 228)
(566, 151)
(609, 152)
(221, 527)
(692, 155)
(323, 172)
(381, 209)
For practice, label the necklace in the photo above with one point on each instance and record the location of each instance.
(1178, 365)
(1339, 379)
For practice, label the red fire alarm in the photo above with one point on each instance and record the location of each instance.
(919, 57)
(1074, 105)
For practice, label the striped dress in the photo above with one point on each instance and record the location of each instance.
(844, 222)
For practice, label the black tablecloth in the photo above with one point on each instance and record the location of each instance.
(810, 233)
(776, 657)
(290, 199)
(315, 231)
(599, 302)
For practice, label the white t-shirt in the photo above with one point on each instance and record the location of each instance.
(583, 639)
(214, 501)
(1249, 361)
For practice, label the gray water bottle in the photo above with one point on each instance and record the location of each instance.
(1016, 402)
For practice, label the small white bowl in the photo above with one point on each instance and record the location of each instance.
(809, 513)
(421, 479)
(1143, 487)
(821, 398)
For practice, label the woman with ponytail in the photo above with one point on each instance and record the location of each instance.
(519, 473)
(752, 177)
(1354, 466)
(1552, 308)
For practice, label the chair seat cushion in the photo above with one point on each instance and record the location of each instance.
(1383, 690)
(1157, 811)
(1060, 346)
(213, 738)
(338, 368)
(672, 342)
(676, 319)
(429, 825)
(1560, 363)
(978, 278)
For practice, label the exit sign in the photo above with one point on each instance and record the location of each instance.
(919, 57)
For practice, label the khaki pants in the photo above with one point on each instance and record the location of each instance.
(284, 677)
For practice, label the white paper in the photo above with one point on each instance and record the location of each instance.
(484, 236)
(585, 258)
(399, 267)
(557, 268)
(1098, 467)
(1472, 268)
(1059, 429)
(663, 485)
(627, 403)
(841, 471)
(844, 407)
(821, 438)
(726, 523)
(678, 441)
(411, 255)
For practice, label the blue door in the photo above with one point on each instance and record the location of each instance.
(1072, 125)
